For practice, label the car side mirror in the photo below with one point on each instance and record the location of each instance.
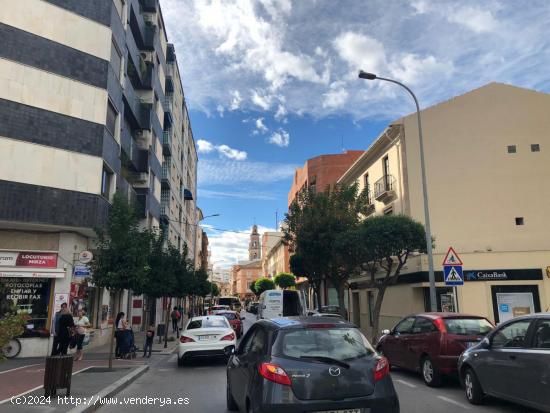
(386, 332)
(243, 318)
(485, 343)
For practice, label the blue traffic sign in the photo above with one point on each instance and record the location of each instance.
(453, 275)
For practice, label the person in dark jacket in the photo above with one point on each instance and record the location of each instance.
(56, 348)
(65, 326)
(148, 345)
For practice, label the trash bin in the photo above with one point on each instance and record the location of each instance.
(58, 374)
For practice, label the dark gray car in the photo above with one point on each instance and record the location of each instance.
(511, 363)
(308, 364)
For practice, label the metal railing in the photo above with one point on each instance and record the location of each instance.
(384, 186)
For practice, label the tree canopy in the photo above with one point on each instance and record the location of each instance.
(284, 280)
(264, 284)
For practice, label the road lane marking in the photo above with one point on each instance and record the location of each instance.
(19, 368)
(446, 399)
(406, 383)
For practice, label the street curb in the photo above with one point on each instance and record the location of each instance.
(111, 390)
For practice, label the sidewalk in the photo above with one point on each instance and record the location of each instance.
(26, 376)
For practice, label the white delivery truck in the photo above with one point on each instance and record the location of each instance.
(281, 303)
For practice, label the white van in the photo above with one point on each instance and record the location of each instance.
(281, 303)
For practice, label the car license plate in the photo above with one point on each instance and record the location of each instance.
(204, 338)
(345, 411)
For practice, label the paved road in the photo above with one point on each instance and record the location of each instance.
(204, 384)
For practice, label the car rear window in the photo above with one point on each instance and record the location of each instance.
(337, 343)
(229, 316)
(207, 323)
(467, 326)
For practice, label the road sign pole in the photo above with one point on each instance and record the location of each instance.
(455, 296)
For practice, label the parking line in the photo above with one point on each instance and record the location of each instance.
(406, 383)
(446, 399)
(19, 368)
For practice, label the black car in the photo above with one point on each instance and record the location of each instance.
(299, 364)
(253, 308)
(511, 363)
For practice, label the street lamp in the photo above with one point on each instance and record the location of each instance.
(433, 297)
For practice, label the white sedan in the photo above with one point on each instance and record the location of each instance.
(208, 336)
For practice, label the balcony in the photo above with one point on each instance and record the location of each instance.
(146, 203)
(166, 173)
(133, 157)
(148, 6)
(169, 87)
(167, 142)
(384, 188)
(139, 110)
(370, 204)
(144, 31)
(170, 53)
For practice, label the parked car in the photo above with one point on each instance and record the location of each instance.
(253, 308)
(233, 302)
(300, 364)
(330, 315)
(281, 303)
(215, 309)
(235, 320)
(511, 363)
(206, 336)
(432, 342)
(333, 309)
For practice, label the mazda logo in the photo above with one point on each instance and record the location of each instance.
(334, 371)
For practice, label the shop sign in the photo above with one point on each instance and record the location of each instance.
(82, 271)
(31, 273)
(85, 257)
(30, 296)
(486, 275)
(28, 259)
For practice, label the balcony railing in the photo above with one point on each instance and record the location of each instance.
(167, 142)
(139, 109)
(166, 172)
(384, 188)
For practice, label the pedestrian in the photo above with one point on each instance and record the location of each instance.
(149, 336)
(120, 325)
(175, 315)
(82, 323)
(56, 347)
(65, 330)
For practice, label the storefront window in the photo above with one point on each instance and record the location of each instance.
(30, 296)
(511, 301)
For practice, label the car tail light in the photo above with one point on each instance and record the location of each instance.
(382, 368)
(229, 337)
(274, 373)
(185, 339)
(440, 324)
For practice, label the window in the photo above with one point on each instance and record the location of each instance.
(106, 179)
(535, 147)
(519, 221)
(208, 323)
(511, 336)
(370, 297)
(116, 59)
(388, 211)
(467, 326)
(152, 182)
(542, 335)
(423, 325)
(511, 148)
(367, 186)
(386, 166)
(112, 115)
(405, 326)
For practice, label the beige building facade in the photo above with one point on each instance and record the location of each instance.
(487, 164)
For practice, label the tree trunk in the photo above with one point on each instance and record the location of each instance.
(376, 314)
(341, 300)
(116, 304)
(169, 305)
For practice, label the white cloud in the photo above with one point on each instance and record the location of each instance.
(231, 153)
(228, 172)
(336, 97)
(220, 110)
(228, 247)
(281, 113)
(474, 18)
(204, 146)
(249, 194)
(260, 126)
(236, 100)
(280, 138)
(262, 101)
(361, 51)
(410, 68)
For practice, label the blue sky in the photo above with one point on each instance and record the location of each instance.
(271, 83)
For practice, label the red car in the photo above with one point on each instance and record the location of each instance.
(432, 342)
(235, 320)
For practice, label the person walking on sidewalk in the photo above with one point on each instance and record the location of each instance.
(175, 315)
(149, 336)
(65, 326)
(120, 325)
(81, 322)
(56, 343)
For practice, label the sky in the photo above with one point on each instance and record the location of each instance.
(271, 83)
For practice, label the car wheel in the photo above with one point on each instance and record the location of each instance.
(231, 405)
(474, 392)
(430, 374)
(181, 362)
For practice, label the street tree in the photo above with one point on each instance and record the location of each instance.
(301, 268)
(284, 280)
(380, 247)
(253, 289)
(121, 258)
(264, 284)
(313, 224)
(215, 290)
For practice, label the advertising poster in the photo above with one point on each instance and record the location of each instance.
(512, 305)
(30, 296)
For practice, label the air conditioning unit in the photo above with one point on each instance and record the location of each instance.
(142, 177)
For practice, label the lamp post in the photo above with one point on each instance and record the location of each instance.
(433, 296)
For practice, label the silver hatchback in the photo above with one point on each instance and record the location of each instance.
(511, 363)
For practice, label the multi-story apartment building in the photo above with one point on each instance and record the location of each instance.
(88, 93)
(268, 241)
(487, 168)
(276, 260)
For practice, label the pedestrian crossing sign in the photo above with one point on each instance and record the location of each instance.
(453, 275)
